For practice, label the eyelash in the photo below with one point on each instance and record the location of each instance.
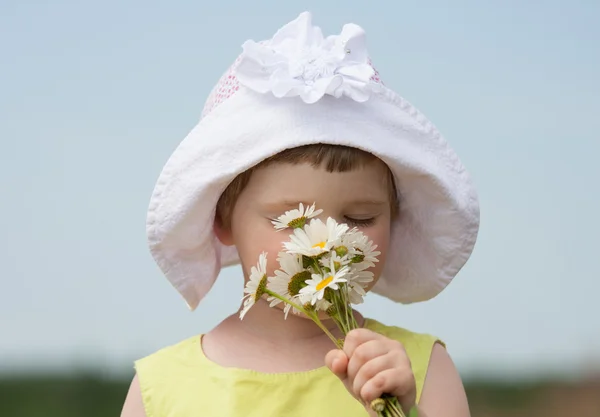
(360, 222)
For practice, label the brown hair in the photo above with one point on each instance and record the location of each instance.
(334, 158)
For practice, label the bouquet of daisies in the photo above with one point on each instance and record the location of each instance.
(323, 267)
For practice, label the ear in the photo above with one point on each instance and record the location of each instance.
(223, 233)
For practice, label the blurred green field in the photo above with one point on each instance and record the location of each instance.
(91, 396)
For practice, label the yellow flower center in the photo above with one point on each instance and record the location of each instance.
(297, 223)
(324, 283)
(319, 245)
(261, 289)
(297, 282)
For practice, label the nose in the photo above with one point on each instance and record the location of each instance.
(330, 213)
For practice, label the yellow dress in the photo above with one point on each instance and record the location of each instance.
(179, 381)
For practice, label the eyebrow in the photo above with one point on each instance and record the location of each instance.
(288, 203)
(356, 202)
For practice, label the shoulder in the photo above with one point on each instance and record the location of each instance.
(157, 374)
(134, 404)
(182, 351)
(440, 390)
(443, 392)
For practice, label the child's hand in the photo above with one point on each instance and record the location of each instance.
(370, 365)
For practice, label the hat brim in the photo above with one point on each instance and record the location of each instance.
(431, 239)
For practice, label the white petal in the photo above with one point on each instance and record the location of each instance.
(263, 263)
(247, 305)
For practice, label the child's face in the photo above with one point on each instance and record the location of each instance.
(359, 198)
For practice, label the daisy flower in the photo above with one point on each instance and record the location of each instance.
(256, 285)
(296, 218)
(315, 238)
(288, 280)
(345, 245)
(357, 282)
(338, 261)
(318, 283)
(356, 294)
(306, 301)
(361, 250)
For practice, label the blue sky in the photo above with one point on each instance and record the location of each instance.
(95, 96)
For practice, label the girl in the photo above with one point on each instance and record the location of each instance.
(298, 119)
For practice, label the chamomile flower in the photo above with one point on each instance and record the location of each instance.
(288, 280)
(338, 261)
(361, 277)
(318, 283)
(356, 294)
(361, 250)
(296, 218)
(357, 282)
(306, 301)
(256, 285)
(315, 238)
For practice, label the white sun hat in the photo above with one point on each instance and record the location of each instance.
(300, 88)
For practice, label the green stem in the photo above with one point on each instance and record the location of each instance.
(394, 406)
(342, 300)
(349, 316)
(336, 318)
(317, 267)
(340, 319)
(285, 300)
(339, 305)
(314, 316)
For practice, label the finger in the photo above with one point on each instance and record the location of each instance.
(363, 354)
(357, 337)
(400, 383)
(369, 370)
(337, 361)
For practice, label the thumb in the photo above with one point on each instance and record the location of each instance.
(337, 361)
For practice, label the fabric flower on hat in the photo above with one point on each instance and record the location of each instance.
(299, 61)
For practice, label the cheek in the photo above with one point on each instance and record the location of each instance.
(380, 237)
(256, 239)
(273, 244)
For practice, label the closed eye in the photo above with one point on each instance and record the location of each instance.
(360, 222)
